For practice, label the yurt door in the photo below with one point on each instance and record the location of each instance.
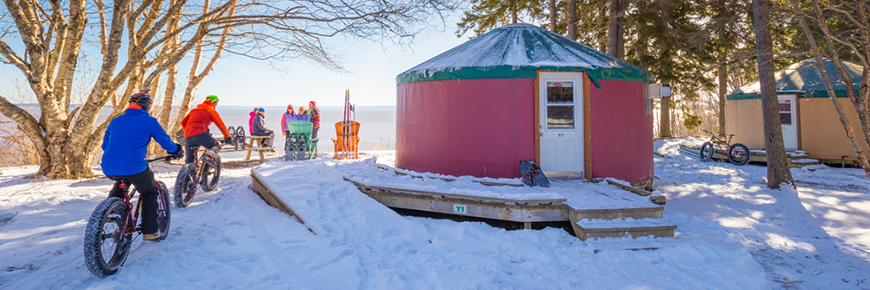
(561, 123)
(788, 118)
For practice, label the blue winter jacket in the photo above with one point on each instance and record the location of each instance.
(126, 141)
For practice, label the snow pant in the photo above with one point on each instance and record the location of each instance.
(147, 187)
(314, 133)
(269, 141)
(192, 144)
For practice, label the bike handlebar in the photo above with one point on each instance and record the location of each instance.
(159, 158)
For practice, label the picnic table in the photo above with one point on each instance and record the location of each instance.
(249, 142)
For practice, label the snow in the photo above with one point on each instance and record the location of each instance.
(805, 160)
(517, 45)
(732, 233)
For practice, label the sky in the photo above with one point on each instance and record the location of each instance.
(372, 67)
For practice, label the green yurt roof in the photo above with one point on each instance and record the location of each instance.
(519, 51)
(805, 80)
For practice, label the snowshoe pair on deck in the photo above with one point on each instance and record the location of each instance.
(294, 146)
(532, 174)
(237, 137)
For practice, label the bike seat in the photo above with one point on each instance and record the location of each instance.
(731, 135)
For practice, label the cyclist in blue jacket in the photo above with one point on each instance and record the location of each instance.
(125, 145)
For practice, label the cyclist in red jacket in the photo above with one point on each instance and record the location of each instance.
(195, 126)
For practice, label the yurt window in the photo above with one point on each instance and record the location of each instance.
(785, 113)
(560, 105)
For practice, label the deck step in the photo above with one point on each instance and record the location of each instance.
(599, 228)
(651, 211)
(798, 163)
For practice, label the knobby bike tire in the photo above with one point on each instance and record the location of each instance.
(706, 152)
(211, 171)
(185, 185)
(105, 245)
(164, 215)
(739, 154)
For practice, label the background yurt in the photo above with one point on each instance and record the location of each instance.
(522, 92)
(809, 120)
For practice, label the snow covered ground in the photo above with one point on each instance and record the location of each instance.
(732, 233)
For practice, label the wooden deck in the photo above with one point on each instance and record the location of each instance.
(628, 215)
(797, 159)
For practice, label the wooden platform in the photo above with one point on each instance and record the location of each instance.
(632, 218)
(797, 159)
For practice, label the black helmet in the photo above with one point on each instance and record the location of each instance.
(143, 99)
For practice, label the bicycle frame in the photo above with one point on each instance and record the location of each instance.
(128, 195)
(719, 142)
(198, 164)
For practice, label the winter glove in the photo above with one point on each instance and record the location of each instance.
(178, 154)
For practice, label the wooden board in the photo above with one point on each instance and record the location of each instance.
(550, 210)
(489, 183)
(269, 197)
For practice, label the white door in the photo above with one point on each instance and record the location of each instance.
(788, 118)
(561, 123)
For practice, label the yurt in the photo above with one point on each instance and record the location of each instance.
(809, 120)
(522, 92)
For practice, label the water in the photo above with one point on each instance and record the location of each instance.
(377, 125)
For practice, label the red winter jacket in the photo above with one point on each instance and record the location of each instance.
(197, 121)
(314, 116)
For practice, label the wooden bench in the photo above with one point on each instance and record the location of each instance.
(249, 147)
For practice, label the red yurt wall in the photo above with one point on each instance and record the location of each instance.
(479, 127)
(622, 137)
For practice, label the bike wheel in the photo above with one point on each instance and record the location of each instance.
(185, 185)
(163, 212)
(738, 154)
(707, 151)
(211, 173)
(106, 247)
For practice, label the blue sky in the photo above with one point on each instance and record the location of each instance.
(372, 68)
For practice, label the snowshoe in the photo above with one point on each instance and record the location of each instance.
(240, 138)
(300, 146)
(525, 171)
(232, 140)
(537, 174)
(290, 147)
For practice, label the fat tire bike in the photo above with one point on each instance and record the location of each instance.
(737, 154)
(110, 230)
(205, 171)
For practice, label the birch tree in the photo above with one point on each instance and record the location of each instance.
(67, 135)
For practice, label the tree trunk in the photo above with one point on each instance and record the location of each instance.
(553, 15)
(616, 29)
(860, 155)
(777, 159)
(665, 118)
(723, 90)
(572, 19)
(514, 12)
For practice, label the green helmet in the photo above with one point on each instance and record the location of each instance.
(212, 98)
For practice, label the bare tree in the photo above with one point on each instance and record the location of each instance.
(616, 29)
(572, 19)
(52, 35)
(723, 90)
(777, 160)
(860, 155)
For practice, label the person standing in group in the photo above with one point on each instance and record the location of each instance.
(195, 125)
(314, 117)
(260, 129)
(302, 115)
(251, 120)
(288, 116)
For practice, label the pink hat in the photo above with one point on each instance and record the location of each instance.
(313, 103)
